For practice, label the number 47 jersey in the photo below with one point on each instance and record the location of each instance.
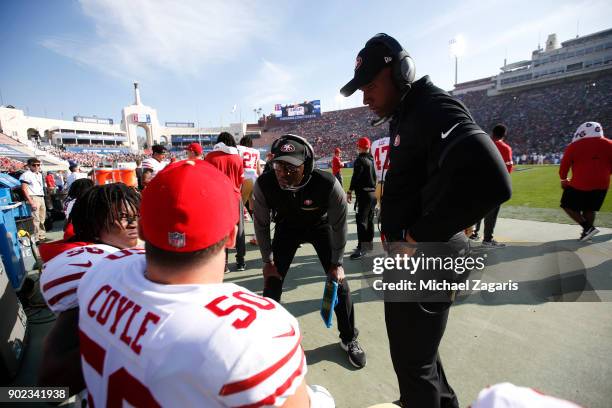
(379, 150)
(214, 345)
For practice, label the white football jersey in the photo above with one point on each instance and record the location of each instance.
(250, 161)
(214, 345)
(379, 150)
(61, 275)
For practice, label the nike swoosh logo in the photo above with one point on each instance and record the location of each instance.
(84, 265)
(290, 333)
(444, 135)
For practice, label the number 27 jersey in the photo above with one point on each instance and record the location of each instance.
(214, 345)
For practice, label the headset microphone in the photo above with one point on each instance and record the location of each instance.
(379, 121)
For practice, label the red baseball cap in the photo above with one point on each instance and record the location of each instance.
(363, 143)
(195, 147)
(188, 206)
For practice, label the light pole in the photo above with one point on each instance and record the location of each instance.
(457, 49)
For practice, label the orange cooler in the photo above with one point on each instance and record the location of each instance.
(104, 176)
(127, 177)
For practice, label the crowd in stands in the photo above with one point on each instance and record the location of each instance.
(540, 120)
(10, 165)
(91, 159)
(333, 129)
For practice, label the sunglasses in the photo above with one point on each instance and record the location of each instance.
(285, 168)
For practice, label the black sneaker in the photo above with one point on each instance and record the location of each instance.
(588, 234)
(474, 236)
(493, 244)
(357, 254)
(240, 266)
(356, 355)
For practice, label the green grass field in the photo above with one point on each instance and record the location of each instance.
(536, 193)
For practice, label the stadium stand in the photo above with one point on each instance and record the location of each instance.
(541, 120)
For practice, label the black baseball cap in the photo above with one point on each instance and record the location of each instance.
(290, 151)
(369, 62)
(159, 149)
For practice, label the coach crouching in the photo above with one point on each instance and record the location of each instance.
(309, 205)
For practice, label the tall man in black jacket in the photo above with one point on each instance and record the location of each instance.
(363, 183)
(308, 206)
(444, 174)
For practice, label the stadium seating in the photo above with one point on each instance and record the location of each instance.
(541, 120)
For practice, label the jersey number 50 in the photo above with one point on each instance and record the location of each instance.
(231, 306)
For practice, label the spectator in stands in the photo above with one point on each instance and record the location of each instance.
(33, 191)
(156, 161)
(498, 135)
(225, 157)
(75, 174)
(337, 164)
(589, 156)
(194, 151)
(147, 176)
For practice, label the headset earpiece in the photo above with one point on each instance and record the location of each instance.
(404, 69)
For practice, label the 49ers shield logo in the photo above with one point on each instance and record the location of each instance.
(287, 148)
(176, 239)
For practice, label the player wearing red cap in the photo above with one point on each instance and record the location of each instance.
(164, 330)
(337, 164)
(194, 151)
(105, 219)
(363, 183)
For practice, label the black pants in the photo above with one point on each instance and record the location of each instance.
(489, 224)
(240, 238)
(366, 202)
(284, 245)
(338, 177)
(414, 337)
(416, 328)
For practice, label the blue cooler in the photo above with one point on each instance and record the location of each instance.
(13, 211)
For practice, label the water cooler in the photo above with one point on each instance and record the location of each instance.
(13, 330)
(16, 248)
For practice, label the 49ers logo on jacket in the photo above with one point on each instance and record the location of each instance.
(287, 148)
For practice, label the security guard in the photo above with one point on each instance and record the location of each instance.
(308, 206)
(363, 183)
(444, 174)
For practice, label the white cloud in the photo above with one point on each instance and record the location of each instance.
(138, 38)
(273, 83)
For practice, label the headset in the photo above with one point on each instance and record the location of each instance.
(308, 160)
(404, 69)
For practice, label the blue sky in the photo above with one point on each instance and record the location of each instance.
(195, 59)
